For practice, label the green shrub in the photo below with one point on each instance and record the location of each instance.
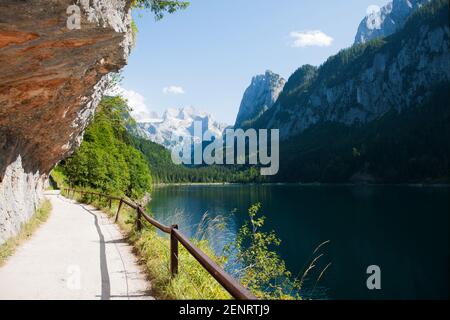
(160, 7)
(262, 270)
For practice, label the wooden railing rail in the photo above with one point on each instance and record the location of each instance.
(228, 283)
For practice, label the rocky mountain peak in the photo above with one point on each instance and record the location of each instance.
(259, 96)
(387, 20)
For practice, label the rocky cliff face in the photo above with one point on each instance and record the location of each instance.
(259, 97)
(387, 20)
(51, 79)
(363, 83)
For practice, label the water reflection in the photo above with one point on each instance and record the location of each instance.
(404, 230)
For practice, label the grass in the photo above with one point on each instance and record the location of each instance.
(41, 215)
(153, 248)
(58, 178)
(192, 282)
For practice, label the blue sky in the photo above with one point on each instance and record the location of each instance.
(206, 55)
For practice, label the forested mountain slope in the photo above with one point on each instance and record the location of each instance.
(376, 112)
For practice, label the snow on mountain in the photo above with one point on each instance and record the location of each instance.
(178, 123)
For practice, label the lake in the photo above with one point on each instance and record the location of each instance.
(403, 230)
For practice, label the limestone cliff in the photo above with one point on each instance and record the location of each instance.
(51, 80)
(259, 97)
(387, 20)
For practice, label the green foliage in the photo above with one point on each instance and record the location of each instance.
(134, 28)
(298, 84)
(165, 171)
(433, 12)
(407, 147)
(106, 160)
(160, 7)
(263, 270)
(58, 179)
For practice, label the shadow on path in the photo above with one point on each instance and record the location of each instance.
(106, 285)
(106, 291)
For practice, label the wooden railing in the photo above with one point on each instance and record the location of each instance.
(228, 283)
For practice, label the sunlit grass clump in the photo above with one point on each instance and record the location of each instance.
(192, 281)
(26, 231)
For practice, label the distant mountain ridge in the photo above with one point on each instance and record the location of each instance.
(388, 20)
(266, 93)
(259, 97)
(375, 112)
(180, 123)
(362, 83)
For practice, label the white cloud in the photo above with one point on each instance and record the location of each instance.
(140, 111)
(136, 101)
(310, 38)
(173, 90)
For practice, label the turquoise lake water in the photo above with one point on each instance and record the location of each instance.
(404, 230)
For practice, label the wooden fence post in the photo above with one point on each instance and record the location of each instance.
(173, 251)
(118, 210)
(138, 219)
